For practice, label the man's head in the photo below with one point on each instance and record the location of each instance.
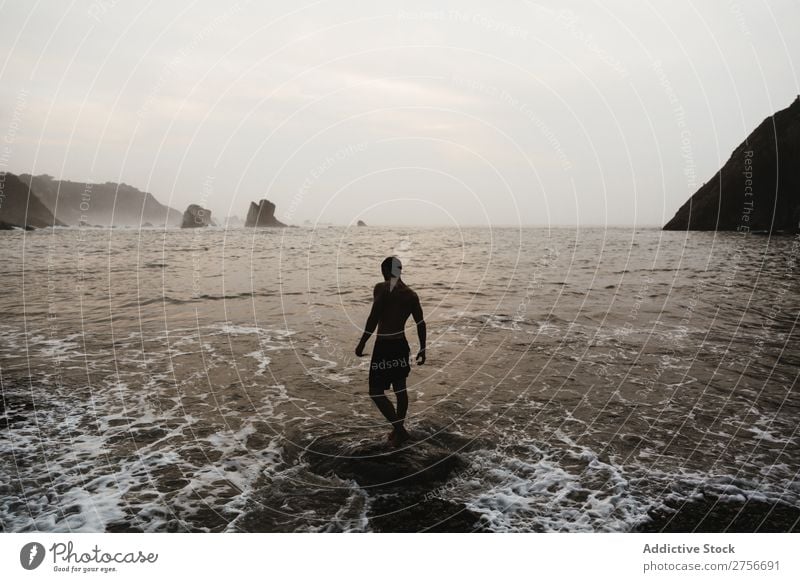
(391, 267)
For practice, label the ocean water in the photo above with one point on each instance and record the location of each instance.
(172, 380)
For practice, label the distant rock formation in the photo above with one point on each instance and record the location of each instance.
(196, 217)
(21, 207)
(758, 189)
(262, 214)
(108, 204)
(232, 221)
(361, 223)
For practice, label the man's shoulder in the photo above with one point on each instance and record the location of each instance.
(411, 293)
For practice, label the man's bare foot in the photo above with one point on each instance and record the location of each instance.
(398, 436)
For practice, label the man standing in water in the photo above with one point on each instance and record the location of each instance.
(393, 302)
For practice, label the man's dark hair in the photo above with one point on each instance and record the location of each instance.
(390, 264)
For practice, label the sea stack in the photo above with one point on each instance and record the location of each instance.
(758, 189)
(361, 223)
(262, 214)
(232, 221)
(195, 217)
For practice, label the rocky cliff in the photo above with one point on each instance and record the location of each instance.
(21, 207)
(108, 204)
(758, 189)
(262, 214)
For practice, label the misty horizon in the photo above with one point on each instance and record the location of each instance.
(530, 114)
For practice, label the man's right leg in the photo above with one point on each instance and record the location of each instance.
(377, 387)
(401, 393)
(401, 434)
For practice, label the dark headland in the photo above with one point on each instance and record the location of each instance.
(21, 208)
(31, 202)
(106, 204)
(758, 189)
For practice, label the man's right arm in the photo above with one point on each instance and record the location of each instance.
(373, 319)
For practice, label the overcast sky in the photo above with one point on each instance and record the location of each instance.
(468, 113)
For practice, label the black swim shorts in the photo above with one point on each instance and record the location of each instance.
(391, 360)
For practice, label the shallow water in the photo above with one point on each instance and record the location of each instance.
(159, 380)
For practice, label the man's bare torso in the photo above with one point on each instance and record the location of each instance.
(396, 307)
